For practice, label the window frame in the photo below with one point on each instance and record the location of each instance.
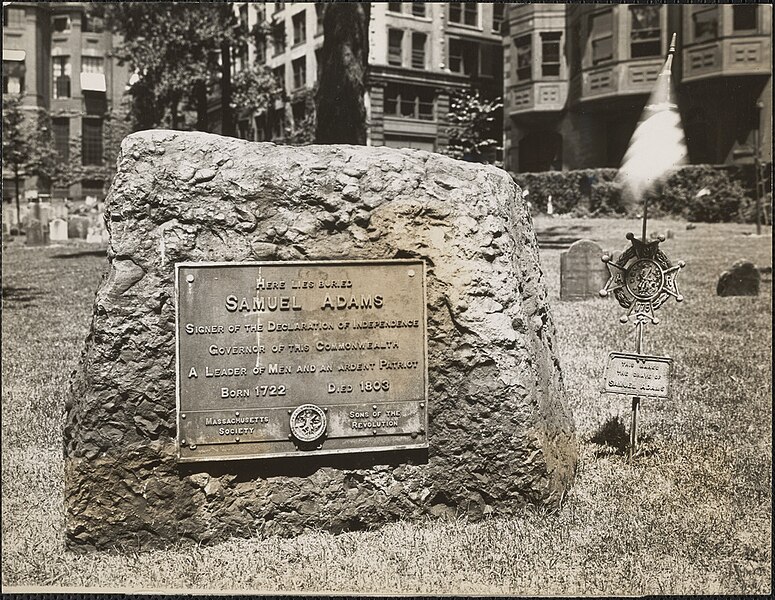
(63, 63)
(392, 31)
(61, 143)
(645, 42)
(754, 11)
(603, 36)
(94, 61)
(415, 36)
(708, 9)
(528, 65)
(91, 143)
(465, 9)
(68, 28)
(299, 19)
(301, 64)
(556, 38)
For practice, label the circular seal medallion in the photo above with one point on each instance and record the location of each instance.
(645, 279)
(308, 422)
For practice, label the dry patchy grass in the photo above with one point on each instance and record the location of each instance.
(691, 514)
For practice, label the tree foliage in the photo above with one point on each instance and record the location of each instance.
(473, 135)
(345, 55)
(28, 145)
(174, 48)
(255, 89)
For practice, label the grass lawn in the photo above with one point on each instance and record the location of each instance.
(691, 514)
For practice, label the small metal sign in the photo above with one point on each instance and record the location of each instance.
(297, 358)
(638, 375)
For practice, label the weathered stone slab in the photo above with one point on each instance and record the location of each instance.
(500, 435)
(582, 272)
(78, 227)
(58, 230)
(742, 279)
(37, 233)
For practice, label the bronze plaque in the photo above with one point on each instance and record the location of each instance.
(638, 375)
(298, 358)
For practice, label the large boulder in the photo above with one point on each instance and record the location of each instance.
(500, 434)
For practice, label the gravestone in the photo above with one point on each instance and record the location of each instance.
(96, 233)
(742, 279)
(37, 234)
(387, 271)
(78, 227)
(58, 230)
(582, 272)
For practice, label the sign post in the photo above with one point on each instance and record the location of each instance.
(643, 277)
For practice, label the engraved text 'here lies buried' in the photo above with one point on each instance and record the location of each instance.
(288, 359)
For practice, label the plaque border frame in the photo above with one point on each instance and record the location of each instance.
(420, 446)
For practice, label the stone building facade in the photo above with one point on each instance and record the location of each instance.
(418, 53)
(577, 77)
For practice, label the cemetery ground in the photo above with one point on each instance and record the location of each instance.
(690, 515)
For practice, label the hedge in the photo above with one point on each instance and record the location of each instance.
(594, 192)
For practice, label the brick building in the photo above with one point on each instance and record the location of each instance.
(418, 53)
(577, 77)
(61, 61)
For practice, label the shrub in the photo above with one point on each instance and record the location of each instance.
(703, 193)
(594, 192)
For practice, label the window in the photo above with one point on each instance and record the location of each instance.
(278, 38)
(13, 76)
(465, 13)
(550, 53)
(61, 24)
(13, 17)
(278, 6)
(463, 57)
(418, 9)
(497, 16)
(92, 24)
(61, 127)
(409, 102)
(418, 50)
(395, 41)
(705, 23)
(744, 17)
(261, 51)
(91, 152)
(524, 48)
(62, 70)
(92, 64)
(394, 7)
(299, 72)
(279, 75)
(320, 10)
(645, 38)
(601, 28)
(299, 28)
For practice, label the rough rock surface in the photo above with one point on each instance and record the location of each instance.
(742, 279)
(500, 433)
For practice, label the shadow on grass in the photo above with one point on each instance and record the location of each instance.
(21, 295)
(614, 438)
(99, 252)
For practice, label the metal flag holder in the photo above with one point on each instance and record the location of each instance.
(642, 280)
(643, 277)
